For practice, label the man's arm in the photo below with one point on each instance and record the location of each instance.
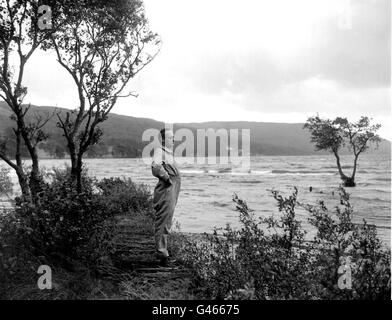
(157, 168)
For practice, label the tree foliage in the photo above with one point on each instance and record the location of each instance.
(333, 135)
(20, 37)
(102, 45)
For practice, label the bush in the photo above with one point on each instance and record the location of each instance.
(353, 245)
(67, 226)
(58, 178)
(17, 265)
(62, 221)
(270, 258)
(74, 233)
(123, 195)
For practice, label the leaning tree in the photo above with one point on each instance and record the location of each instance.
(333, 135)
(22, 31)
(102, 45)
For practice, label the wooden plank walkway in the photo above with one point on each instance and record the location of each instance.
(135, 256)
(143, 278)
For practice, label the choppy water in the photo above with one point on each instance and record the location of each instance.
(206, 196)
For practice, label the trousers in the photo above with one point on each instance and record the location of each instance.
(165, 200)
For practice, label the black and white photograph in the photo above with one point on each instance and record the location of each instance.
(195, 150)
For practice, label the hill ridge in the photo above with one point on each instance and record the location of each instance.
(122, 135)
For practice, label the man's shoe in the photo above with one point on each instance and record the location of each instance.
(167, 262)
(164, 262)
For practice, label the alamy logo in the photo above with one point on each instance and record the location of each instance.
(44, 281)
(45, 20)
(345, 281)
(204, 146)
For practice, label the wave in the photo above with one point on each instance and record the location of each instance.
(369, 199)
(193, 171)
(225, 170)
(282, 171)
(247, 181)
(377, 190)
(208, 171)
(220, 204)
(197, 190)
(231, 171)
(261, 172)
(382, 179)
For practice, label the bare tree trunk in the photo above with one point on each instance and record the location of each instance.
(74, 168)
(18, 165)
(35, 178)
(24, 184)
(22, 178)
(79, 169)
(84, 144)
(72, 152)
(342, 175)
(355, 167)
(348, 181)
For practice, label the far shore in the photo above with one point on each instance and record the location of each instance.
(253, 155)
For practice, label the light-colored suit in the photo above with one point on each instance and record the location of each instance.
(165, 195)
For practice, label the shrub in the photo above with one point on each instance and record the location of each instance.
(58, 178)
(123, 195)
(68, 225)
(62, 221)
(271, 259)
(16, 263)
(354, 245)
(72, 232)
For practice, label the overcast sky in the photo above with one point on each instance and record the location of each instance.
(273, 60)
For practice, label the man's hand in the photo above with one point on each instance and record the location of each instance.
(168, 182)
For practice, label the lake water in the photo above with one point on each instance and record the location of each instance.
(206, 196)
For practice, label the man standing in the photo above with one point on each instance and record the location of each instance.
(165, 193)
